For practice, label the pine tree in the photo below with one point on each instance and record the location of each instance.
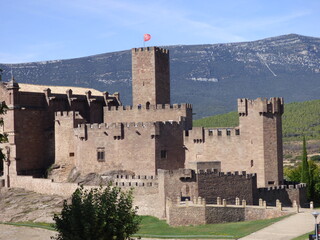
(305, 171)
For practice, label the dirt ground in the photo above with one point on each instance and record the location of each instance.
(24, 233)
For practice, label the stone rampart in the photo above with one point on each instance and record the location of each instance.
(229, 185)
(150, 113)
(195, 213)
(200, 134)
(287, 194)
(143, 195)
(135, 181)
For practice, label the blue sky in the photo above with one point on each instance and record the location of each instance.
(38, 30)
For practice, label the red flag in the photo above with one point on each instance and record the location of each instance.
(146, 37)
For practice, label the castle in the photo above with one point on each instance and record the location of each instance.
(87, 131)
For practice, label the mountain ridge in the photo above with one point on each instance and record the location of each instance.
(210, 76)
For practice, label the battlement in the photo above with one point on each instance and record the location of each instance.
(67, 114)
(119, 130)
(134, 177)
(223, 174)
(281, 187)
(261, 105)
(198, 135)
(128, 125)
(149, 49)
(151, 107)
(135, 181)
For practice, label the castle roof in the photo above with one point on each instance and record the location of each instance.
(57, 89)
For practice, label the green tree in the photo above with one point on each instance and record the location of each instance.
(97, 214)
(305, 175)
(293, 174)
(3, 137)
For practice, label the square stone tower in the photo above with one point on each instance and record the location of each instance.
(150, 76)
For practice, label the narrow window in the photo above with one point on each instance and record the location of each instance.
(228, 132)
(187, 133)
(237, 131)
(210, 132)
(251, 163)
(148, 105)
(219, 132)
(163, 154)
(100, 154)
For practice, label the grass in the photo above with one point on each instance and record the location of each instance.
(152, 227)
(304, 236)
(48, 226)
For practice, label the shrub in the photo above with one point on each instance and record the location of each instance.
(97, 214)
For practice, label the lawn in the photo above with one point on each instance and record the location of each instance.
(154, 228)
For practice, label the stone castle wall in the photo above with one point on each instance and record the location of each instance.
(227, 186)
(286, 194)
(30, 124)
(154, 194)
(152, 113)
(255, 146)
(133, 147)
(184, 214)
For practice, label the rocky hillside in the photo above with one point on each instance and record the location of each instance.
(211, 77)
(19, 205)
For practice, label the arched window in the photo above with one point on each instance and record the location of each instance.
(147, 105)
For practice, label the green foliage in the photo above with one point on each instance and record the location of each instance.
(287, 156)
(98, 214)
(299, 119)
(223, 120)
(293, 174)
(305, 176)
(313, 187)
(315, 158)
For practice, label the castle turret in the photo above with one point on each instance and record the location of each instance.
(150, 76)
(261, 129)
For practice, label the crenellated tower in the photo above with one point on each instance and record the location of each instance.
(261, 129)
(150, 76)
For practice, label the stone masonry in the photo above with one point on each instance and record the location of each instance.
(78, 132)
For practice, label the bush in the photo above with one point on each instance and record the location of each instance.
(315, 158)
(97, 214)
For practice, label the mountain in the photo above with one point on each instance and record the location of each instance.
(211, 76)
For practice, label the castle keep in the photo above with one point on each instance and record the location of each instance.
(79, 132)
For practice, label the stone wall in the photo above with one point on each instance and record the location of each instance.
(30, 123)
(152, 113)
(255, 146)
(146, 197)
(227, 186)
(133, 147)
(183, 214)
(286, 194)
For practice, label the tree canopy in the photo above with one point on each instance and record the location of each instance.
(98, 214)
